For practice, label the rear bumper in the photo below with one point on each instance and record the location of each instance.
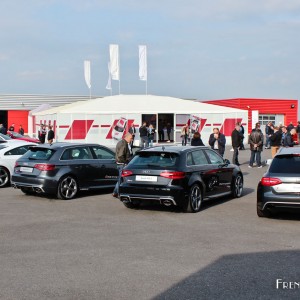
(267, 199)
(170, 195)
(41, 185)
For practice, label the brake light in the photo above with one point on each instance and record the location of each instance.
(126, 173)
(16, 164)
(173, 175)
(44, 167)
(270, 181)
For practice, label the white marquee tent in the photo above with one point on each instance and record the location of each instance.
(105, 120)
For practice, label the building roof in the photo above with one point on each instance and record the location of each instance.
(139, 104)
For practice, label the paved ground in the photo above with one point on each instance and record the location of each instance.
(95, 248)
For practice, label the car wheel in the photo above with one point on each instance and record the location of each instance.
(194, 201)
(262, 213)
(237, 186)
(27, 191)
(67, 188)
(4, 177)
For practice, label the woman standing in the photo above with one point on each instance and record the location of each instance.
(151, 132)
(184, 134)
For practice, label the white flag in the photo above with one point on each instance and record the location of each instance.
(108, 86)
(87, 73)
(143, 62)
(114, 62)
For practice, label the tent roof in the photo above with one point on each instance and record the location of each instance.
(44, 106)
(139, 104)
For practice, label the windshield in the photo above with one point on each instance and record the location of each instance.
(36, 153)
(155, 159)
(285, 164)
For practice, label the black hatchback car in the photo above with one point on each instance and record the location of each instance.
(179, 175)
(65, 168)
(280, 185)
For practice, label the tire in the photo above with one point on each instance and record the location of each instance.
(237, 186)
(4, 177)
(131, 205)
(194, 200)
(67, 188)
(262, 213)
(27, 191)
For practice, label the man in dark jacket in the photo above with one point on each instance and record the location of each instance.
(275, 140)
(50, 135)
(287, 140)
(256, 141)
(123, 156)
(236, 142)
(143, 130)
(217, 141)
(269, 131)
(3, 129)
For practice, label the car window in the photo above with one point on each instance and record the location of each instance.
(199, 158)
(155, 159)
(18, 151)
(102, 153)
(214, 158)
(285, 164)
(37, 153)
(77, 153)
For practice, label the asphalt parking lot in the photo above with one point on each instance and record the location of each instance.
(95, 248)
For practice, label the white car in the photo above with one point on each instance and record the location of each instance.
(9, 153)
(119, 129)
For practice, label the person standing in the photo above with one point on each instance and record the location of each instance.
(151, 132)
(50, 136)
(287, 138)
(236, 142)
(184, 134)
(3, 129)
(160, 131)
(269, 131)
(123, 156)
(290, 127)
(169, 128)
(42, 134)
(298, 130)
(196, 140)
(275, 140)
(12, 127)
(143, 135)
(256, 141)
(132, 130)
(242, 131)
(217, 141)
(21, 130)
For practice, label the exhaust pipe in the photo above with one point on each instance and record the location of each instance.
(14, 186)
(38, 190)
(125, 199)
(166, 202)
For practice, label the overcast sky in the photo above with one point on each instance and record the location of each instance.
(198, 49)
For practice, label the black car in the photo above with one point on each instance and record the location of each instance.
(179, 175)
(280, 185)
(65, 168)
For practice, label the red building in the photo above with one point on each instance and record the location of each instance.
(278, 111)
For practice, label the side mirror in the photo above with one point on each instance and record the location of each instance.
(227, 161)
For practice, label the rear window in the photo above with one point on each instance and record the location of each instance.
(155, 159)
(36, 153)
(285, 164)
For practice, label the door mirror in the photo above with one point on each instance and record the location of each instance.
(227, 161)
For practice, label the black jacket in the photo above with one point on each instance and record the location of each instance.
(275, 139)
(256, 137)
(196, 142)
(143, 131)
(235, 138)
(50, 135)
(288, 141)
(221, 142)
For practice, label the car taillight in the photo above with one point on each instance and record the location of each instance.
(270, 181)
(172, 175)
(16, 164)
(44, 167)
(126, 173)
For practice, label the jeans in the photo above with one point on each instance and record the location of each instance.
(184, 140)
(235, 156)
(267, 141)
(257, 156)
(120, 168)
(144, 142)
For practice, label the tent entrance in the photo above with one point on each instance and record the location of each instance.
(165, 127)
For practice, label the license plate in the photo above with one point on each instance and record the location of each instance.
(26, 169)
(146, 178)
